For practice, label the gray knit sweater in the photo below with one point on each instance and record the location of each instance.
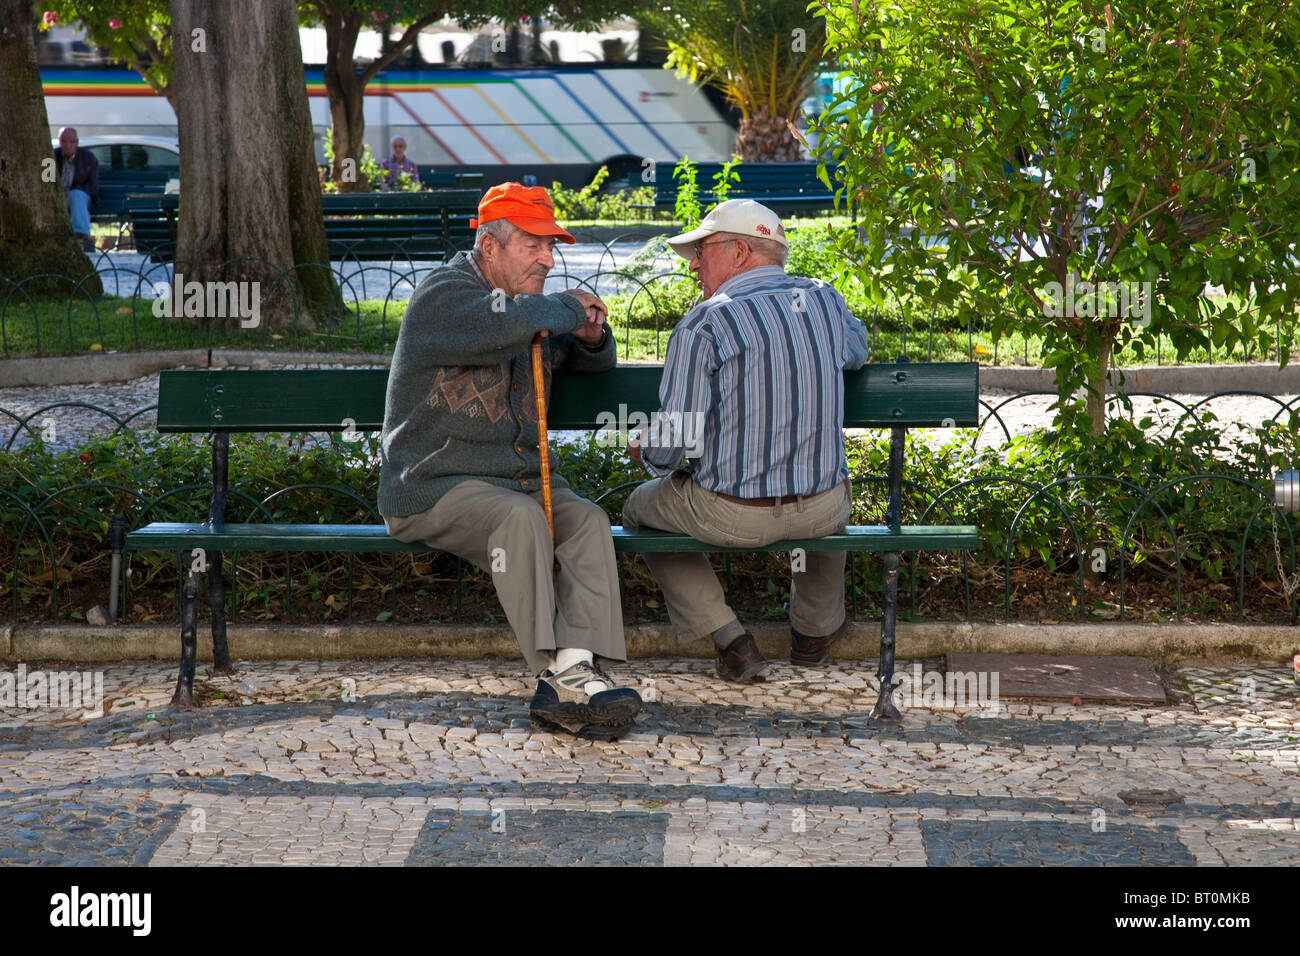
(460, 399)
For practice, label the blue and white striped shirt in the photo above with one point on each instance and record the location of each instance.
(762, 363)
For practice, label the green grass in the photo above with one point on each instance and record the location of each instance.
(114, 324)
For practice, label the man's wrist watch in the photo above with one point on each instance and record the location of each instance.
(604, 337)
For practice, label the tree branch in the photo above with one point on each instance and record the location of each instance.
(401, 46)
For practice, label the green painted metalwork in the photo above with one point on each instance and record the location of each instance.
(877, 396)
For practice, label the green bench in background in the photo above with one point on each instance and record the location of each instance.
(361, 226)
(898, 397)
(437, 179)
(116, 185)
(783, 187)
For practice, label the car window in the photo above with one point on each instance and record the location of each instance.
(135, 157)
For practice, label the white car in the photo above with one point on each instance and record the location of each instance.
(127, 153)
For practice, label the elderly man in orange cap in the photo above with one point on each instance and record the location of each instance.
(461, 462)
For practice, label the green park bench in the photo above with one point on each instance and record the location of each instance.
(361, 226)
(118, 184)
(441, 179)
(897, 397)
(783, 187)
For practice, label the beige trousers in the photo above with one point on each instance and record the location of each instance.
(505, 533)
(696, 604)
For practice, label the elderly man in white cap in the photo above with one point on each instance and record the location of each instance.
(754, 373)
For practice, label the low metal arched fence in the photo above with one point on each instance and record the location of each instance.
(123, 318)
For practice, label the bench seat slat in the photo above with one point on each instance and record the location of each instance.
(178, 536)
(854, 538)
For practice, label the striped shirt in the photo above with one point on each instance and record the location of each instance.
(761, 363)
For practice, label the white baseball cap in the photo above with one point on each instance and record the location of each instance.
(743, 217)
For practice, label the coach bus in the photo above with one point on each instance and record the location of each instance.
(557, 122)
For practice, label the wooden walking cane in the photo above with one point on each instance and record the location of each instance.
(539, 390)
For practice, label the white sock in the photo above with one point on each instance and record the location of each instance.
(566, 657)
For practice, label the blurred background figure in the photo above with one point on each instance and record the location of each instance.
(395, 165)
(78, 171)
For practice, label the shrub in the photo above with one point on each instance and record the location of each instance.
(590, 203)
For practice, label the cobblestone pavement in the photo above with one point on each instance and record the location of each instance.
(436, 762)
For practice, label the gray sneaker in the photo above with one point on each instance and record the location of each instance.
(562, 700)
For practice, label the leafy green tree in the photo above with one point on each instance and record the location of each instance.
(345, 83)
(1038, 163)
(134, 32)
(762, 54)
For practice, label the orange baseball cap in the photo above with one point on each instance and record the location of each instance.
(528, 207)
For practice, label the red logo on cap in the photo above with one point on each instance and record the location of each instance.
(764, 230)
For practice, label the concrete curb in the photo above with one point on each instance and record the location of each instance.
(94, 369)
(223, 357)
(81, 644)
(123, 367)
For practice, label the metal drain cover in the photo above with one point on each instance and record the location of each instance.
(1109, 679)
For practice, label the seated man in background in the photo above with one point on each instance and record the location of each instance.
(757, 365)
(461, 460)
(395, 165)
(78, 171)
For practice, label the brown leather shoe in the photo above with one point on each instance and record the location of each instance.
(810, 651)
(741, 661)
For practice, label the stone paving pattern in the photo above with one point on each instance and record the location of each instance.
(436, 763)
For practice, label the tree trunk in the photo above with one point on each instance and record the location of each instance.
(250, 188)
(348, 126)
(35, 230)
(1096, 408)
(346, 93)
(763, 138)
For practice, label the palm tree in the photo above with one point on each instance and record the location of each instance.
(762, 54)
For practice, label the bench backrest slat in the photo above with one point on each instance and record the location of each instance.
(878, 396)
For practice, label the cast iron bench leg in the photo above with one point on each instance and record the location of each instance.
(183, 699)
(216, 579)
(885, 708)
(116, 541)
(217, 603)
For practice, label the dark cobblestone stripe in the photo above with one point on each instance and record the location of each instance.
(1049, 843)
(540, 838)
(83, 831)
(495, 713)
(260, 785)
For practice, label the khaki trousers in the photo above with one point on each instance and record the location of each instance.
(505, 533)
(696, 604)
